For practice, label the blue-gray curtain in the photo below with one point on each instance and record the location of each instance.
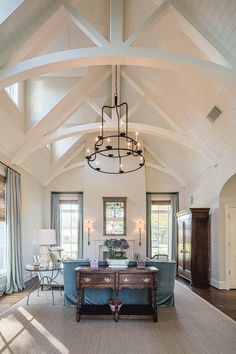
(14, 276)
(148, 223)
(80, 226)
(55, 215)
(174, 198)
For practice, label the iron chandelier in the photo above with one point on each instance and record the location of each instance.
(116, 153)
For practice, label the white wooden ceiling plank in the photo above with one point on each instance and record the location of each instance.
(134, 81)
(41, 37)
(85, 26)
(201, 36)
(28, 39)
(151, 21)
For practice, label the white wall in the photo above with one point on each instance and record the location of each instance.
(72, 181)
(98, 185)
(206, 193)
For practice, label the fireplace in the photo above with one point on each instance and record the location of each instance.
(101, 250)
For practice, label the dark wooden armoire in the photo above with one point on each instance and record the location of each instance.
(193, 246)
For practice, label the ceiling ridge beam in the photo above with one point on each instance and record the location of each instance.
(116, 22)
(86, 27)
(150, 22)
(64, 160)
(136, 83)
(61, 111)
(200, 36)
(43, 30)
(167, 134)
(86, 57)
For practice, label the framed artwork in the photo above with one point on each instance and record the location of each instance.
(114, 216)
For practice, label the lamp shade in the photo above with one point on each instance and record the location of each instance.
(45, 237)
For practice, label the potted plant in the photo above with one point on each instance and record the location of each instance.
(116, 255)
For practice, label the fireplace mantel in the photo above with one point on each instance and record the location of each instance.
(99, 248)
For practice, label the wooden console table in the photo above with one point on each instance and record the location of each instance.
(117, 279)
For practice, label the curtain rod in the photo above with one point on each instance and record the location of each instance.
(162, 193)
(9, 167)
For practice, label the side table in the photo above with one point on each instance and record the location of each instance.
(47, 278)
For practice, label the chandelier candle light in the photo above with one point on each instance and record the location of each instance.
(124, 151)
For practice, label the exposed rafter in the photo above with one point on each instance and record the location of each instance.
(140, 87)
(35, 39)
(64, 160)
(97, 109)
(166, 168)
(151, 21)
(61, 111)
(65, 169)
(201, 36)
(154, 58)
(141, 128)
(85, 26)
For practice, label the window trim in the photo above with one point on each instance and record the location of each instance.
(114, 200)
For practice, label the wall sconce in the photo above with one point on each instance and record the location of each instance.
(140, 226)
(89, 226)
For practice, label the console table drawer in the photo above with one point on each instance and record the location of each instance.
(136, 279)
(98, 279)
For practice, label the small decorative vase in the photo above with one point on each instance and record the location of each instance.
(118, 263)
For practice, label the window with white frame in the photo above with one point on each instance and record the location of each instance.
(2, 225)
(14, 93)
(160, 227)
(69, 227)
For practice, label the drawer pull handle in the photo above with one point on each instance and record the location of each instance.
(87, 280)
(126, 280)
(146, 280)
(107, 280)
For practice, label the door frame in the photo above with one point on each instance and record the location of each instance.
(227, 253)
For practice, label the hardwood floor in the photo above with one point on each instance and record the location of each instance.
(6, 301)
(223, 300)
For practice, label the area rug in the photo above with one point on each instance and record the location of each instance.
(192, 326)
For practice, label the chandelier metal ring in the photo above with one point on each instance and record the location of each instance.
(120, 146)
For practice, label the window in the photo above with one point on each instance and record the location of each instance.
(2, 225)
(114, 216)
(160, 227)
(69, 227)
(13, 93)
(7, 8)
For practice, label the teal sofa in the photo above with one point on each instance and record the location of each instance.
(165, 294)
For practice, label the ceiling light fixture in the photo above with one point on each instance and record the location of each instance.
(116, 153)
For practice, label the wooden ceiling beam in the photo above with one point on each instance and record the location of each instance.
(200, 36)
(150, 22)
(60, 112)
(85, 26)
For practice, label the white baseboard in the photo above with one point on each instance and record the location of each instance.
(218, 284)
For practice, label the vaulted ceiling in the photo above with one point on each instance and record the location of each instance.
(176, 61)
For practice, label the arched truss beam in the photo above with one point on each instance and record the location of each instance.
(164, 166)
(141, 128)
(145, 57)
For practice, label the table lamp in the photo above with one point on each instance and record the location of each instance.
(44, 238)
